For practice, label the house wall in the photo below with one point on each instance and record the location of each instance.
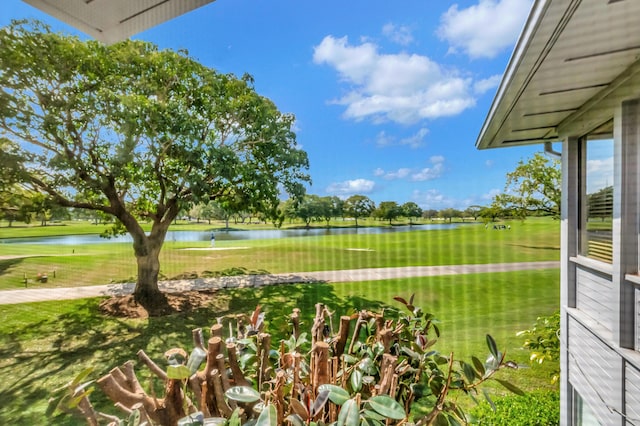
(600, 302)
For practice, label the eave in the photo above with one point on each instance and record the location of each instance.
(110, 21)
(574, 62)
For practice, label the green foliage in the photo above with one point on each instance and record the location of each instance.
(533, 187)
(538, 408)
(543, 340)
(140, 134)
(373, 378)
(358, 206)
(388, 210)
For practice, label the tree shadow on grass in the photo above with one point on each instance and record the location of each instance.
(7, 264)
(39, 357)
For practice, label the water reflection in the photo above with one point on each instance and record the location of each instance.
(257, 234)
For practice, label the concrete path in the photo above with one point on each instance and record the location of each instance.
(371, 274)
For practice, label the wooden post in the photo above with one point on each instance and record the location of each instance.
(321, 364)
(343, 335)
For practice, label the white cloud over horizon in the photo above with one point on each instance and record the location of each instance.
(484, 29)
(434, 199)
(403, 88)
(599, 174)
(347, 188)
(434, 171)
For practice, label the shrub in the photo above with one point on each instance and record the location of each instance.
(540, 408)
(369, 371)
(543, 340)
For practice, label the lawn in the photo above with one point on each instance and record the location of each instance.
(43, 345)
(90, 264)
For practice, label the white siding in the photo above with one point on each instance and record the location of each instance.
(632, 393)
(593, 296)
(595, 372)
(637, 323)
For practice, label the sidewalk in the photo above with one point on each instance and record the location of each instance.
(51, 294)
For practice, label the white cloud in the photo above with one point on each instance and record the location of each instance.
(414, 141)
(351, 187)
(401, 173)
(398, 34)
(489, 196)
(483, 86)
(489, 163)
(484, 29)
(430, 173)
(404, 88)
(433, 199)
(599, 174)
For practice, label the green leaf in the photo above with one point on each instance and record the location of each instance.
(337, 395)
(178, 372)
(349, 359)
(321, 400)
(513, 388)
(493, 348)
(367, 366)
(235, 420)
(295, 420)
(479, 365)
(134, 418)
(81, 376)
(387, 406)
(370, 414)
(268, 416)
(356, 380)
(469, 372)
(54, 403)
(349, 414)
(488, 398)
(366, 421)
(299, 409)
(242, 394)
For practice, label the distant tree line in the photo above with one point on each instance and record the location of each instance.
(22, 206)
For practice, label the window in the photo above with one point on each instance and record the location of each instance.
(583, 416)
(596, 215)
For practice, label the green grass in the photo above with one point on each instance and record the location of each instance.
(43, 345)
(531, 240)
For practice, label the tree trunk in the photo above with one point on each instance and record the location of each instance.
(147, 293)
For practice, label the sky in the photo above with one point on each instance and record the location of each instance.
(389, 97)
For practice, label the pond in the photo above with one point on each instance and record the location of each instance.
(233, 235)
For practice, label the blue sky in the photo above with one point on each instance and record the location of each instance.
(389, 97)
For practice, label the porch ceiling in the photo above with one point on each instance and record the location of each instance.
(113, 20)
(572, 58)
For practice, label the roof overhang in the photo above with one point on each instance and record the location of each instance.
(113, 20)
(575, 61)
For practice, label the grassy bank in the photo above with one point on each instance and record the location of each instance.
(43, 345)
(90, 264)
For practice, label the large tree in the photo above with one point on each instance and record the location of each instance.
(388, 210)
(411, 210)
(533, 187)
(358, 206)
(140, 134)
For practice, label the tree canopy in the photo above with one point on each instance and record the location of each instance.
(533, 187)
(358, 206)
(140, 133)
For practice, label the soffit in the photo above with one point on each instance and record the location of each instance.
(113, 20)
(572, 57)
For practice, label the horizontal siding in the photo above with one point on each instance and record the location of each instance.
(588, 355)
(637, 325)
(593, 296)
(632, 392)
